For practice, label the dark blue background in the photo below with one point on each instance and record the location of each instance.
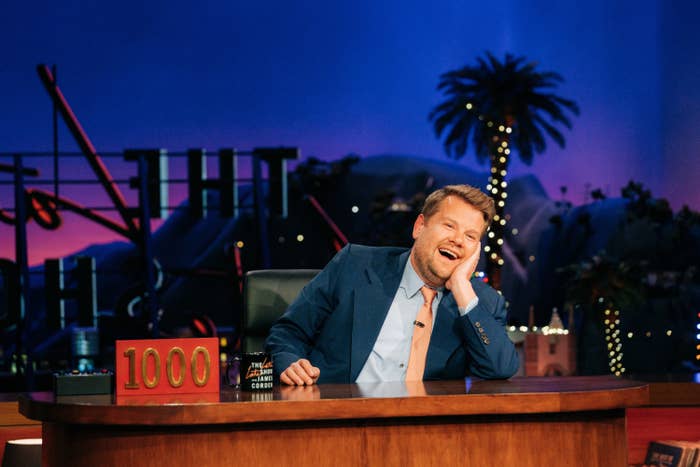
(357, 77)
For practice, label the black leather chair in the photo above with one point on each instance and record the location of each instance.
(266, 295)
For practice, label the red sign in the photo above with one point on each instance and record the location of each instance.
(167, 366)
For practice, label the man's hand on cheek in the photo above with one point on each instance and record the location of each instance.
(459, 282)
(464, 271)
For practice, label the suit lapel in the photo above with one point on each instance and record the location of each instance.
(444, 340)
(371, 305)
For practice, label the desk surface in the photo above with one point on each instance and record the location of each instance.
(529, 395)
(514, 422)
(672, 389)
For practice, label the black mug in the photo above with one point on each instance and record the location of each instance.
(250, 371)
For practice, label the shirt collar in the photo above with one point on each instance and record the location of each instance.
(411, 282)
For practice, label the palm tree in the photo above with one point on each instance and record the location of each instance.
(499, 106)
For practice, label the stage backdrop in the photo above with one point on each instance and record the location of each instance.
(354, 77)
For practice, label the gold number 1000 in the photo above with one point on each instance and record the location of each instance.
(175, 353)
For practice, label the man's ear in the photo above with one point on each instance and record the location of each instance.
(418, 225)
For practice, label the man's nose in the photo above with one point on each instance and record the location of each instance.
(457, 238)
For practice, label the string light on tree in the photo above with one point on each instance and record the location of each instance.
(611, 320)
(496, 186)
(697, 340)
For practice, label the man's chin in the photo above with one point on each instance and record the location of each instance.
(439, 278)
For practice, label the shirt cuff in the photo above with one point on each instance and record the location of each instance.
(470, 306)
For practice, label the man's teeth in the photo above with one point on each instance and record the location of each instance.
(448, 253)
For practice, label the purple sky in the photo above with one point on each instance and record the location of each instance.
(351, 77)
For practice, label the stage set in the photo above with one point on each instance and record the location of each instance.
(133, 282)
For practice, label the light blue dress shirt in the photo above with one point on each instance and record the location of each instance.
(389, 356)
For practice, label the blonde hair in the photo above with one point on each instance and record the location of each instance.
(469, 194)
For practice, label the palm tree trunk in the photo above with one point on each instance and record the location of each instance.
(497, 188)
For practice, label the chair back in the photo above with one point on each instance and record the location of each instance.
(266, 295)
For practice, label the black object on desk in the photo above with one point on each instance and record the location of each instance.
(75, 383)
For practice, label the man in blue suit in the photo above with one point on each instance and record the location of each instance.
(356, 320)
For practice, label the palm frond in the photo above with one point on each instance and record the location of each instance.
(509, 91)
(569, 104)
(457, 138)
(544, 103)
(551, 131)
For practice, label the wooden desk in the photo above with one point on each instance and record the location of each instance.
(673, 412)
(523, 421)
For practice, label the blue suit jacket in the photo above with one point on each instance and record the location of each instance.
(335, 321)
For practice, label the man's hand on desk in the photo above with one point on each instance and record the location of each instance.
(300, 373)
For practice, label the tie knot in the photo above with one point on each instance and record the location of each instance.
(428, 294)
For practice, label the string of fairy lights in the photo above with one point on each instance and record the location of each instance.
(613, 339)
(697, 339)
(497, 185)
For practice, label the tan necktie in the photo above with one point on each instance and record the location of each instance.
(422, 327)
